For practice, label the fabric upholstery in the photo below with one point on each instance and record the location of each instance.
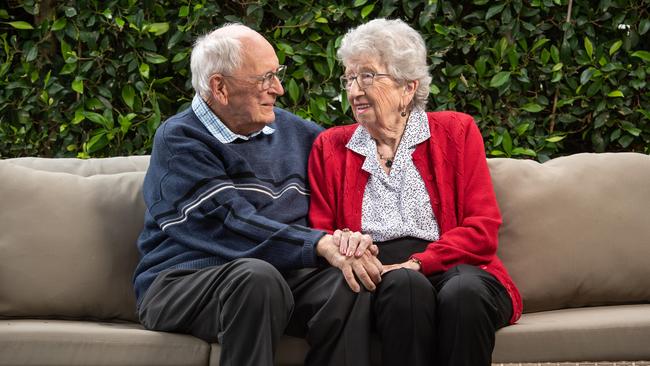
(67, 243)
(602, 333)
(60, 342)
(576, 229)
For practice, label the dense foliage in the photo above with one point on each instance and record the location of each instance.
(542, 77)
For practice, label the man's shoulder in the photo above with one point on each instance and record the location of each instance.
(286, 119)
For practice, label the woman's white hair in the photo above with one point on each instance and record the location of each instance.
(397, 45)
(219, 51)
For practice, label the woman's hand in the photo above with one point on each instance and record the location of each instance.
(354, 243)
(409, 264)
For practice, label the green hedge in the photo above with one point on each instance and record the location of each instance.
(96, 78)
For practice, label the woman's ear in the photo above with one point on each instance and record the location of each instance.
(410, 87)
(409, 91)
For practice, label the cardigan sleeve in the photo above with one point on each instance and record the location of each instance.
(322, 203)
(471, 236)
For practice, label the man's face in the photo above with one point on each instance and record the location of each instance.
(249, 104)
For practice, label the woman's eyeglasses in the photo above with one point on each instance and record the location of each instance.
(364, 79)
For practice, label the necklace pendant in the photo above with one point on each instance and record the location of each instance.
(389, 163)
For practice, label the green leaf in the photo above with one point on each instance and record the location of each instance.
(59, 24)
(645, 55)
(555, 138)
(128, 95)
(507, 143)
(321, 20)
(500, 79)
(494, 10)
(367, 10)
(97, 142)
(644, 26)
(532, 107)
(155, 58)
(615, 93)
(589, 48)
(158, 28)
(615, 47)
(70, 12)
(586, 75)
(144, 70)
(358, 3)
(78, 85)
(184, 11)
(20, 25)
(540, 42)
(522, 151)
(294, 91)
(557, 67)
(179, 57)
(96, 117)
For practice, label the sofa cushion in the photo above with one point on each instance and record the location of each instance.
(61, 342)
(604, 333)
(576, 229)
(68, 243)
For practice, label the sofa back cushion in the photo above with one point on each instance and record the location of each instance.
(576, 229)
(68, 231)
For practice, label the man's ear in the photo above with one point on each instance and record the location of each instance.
(218, 89)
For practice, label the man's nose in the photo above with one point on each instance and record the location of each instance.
(276, 86)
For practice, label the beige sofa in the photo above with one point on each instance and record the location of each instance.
(576, 239)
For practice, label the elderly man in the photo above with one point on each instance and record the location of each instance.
(225, 251)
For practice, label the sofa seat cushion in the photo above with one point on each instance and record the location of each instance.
(62, 342)
(604, 333)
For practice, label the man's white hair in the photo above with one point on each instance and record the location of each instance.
(219, 51)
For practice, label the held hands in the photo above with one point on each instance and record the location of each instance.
(365, 265)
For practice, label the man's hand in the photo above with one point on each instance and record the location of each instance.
(367, 267)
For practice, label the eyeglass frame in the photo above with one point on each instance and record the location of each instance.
(346, 81)
(265, 78)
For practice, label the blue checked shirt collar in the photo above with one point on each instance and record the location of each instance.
(216, 127)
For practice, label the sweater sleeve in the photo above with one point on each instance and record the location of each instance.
(473, 239)
(198, 206)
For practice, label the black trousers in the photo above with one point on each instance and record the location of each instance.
(449, 319)
(246, 305)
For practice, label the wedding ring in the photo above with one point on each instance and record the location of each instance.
(345, 230)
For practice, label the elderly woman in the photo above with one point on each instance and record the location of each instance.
(418, 184)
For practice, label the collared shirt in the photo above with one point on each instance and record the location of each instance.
(396, 205)
(217, 128)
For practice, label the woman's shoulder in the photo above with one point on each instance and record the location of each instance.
(338, 135)
(449, 117)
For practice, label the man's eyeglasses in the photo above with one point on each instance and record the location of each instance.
(364, 79)
(266, 80)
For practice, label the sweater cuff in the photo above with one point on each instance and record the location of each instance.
(309, 256)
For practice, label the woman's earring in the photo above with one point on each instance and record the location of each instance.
(403, 114)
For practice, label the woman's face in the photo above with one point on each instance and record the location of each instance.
(378, 105)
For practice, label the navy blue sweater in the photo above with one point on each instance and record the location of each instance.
(208, 203)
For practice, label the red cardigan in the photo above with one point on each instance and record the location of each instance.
(454, 168)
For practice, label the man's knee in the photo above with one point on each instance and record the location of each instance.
(260, 281)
